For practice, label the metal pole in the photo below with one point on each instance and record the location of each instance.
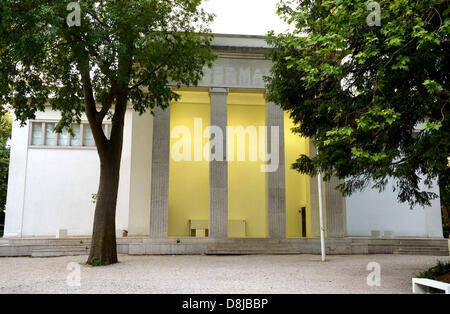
(322, 229)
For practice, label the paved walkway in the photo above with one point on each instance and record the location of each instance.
(214, 274)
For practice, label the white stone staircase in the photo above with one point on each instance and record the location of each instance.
(253, 247)
(61, 250)
(51, 247)
(48, 247)
(405, 246)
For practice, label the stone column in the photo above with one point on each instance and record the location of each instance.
(218, 170)
(159, 205)
(276, 180)
(335, 209)
(314, 197)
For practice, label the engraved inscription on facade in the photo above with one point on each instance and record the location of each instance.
(234, 76)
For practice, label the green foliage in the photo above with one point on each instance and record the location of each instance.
(374, 100)
(94, 261)
(441, 268)
(5, 135)
(446, 230)
(94, 198)
(133, 49)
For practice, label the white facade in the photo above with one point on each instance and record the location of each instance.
(371, 210)
(51, 188)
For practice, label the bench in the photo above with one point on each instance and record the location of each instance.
(200, 228)
(422, 286)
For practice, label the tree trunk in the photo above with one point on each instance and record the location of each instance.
(103, 245)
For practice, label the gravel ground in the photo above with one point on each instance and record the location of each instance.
(214, 274)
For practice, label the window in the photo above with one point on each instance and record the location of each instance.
(88, 138)
(43, 135)
(63, 138)
(36, 138)
(50, 136)
(75, 140)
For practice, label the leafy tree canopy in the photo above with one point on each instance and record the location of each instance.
(135, 47)
(374, 99)
(5, 135)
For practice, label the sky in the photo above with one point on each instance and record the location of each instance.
(246, 17)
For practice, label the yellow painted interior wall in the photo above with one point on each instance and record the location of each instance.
(246, 182)
(297, 185)
(188, 181)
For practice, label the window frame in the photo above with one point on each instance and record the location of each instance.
(42, 145)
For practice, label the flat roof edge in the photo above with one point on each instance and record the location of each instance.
(240, 36)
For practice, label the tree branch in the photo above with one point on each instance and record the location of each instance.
(94, 16)
(146, 79)
(92, 114)
(106, 105)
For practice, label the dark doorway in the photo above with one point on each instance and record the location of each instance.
(303, 214)
(2, 222)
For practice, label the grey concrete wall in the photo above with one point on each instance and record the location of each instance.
(218, 171)
(235, 72)
(276, 181)
(314, 198)
(335, 209)
(159, 205)
(333, 202)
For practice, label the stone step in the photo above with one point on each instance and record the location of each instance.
(252, 247)
(440, 251)
(251, 242)
(251, 252)
(68, 241)
(315, 241)
(418, 244)
(274, 251)
(397, 246)
(62, 247)
(43, 242)
(427, 253)
(414, 247)
(256, 245)
(54, 251)
(58, 254)
(422, 249)
(402, 242)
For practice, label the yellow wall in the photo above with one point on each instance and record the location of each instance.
(188, 181)
(297, 185)
(246, 182)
